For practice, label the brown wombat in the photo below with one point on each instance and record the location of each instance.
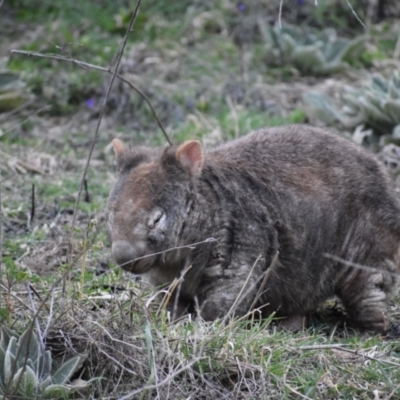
(298, 214)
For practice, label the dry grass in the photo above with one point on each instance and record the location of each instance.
(132, 350)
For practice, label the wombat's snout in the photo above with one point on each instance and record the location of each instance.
(125, 253)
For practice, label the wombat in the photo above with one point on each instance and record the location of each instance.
(298, 214)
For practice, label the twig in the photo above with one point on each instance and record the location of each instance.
(264, 282)
(32, 204)
(341, 348)
(368, 357)
(355, 14)
(103, 107)
(188, 246)
(87, 196)
(176, 283)
(297, 393)
(392, 392)
(97, 67)
(322, 346)
(359, 266)
(238, 297)
(1, 229)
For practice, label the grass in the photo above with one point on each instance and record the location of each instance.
(203, 85)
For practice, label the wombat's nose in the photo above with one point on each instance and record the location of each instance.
(125, 253)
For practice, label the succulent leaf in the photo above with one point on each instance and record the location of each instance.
(376, 105)
(319, 53)
(2, 360)
(6, 335)
(31, 372)
(47, 382)
(308, 58)
(58, 392)
(44, 364)
(28, 346)
(9, 360)
(321, 106)
(66, 370)
(12, 346)
(26, 381)
(392, 108)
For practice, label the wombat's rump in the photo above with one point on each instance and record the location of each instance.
(306, 195)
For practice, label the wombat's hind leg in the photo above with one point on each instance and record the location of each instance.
(364, 294)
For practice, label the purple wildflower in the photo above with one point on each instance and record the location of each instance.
(90, 102)
(241, 7)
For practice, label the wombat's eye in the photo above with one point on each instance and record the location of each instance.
(155, 219)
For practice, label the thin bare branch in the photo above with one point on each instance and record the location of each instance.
(359, 266)
(297, 393)
(355, 352)
(103, 107)
(322, 346)
(264, 282)
(1, 229)
(188, 246)
(84, 64)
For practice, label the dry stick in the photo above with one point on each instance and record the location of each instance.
(359, 266)
(97, 67)
(355, 352)
(33, 206)
(280, 14)
(323, 346)
(355, 14)
(87, 196)
(103, 107)
(297, 393)
(188, 246)
(264, 282)
(1, 230)
(176, 283)
(392, 392)
(238, 297)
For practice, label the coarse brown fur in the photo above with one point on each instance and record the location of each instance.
(308, 195)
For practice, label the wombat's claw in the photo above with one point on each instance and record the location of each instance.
(393, 331)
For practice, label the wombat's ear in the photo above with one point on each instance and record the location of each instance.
(119, 149)
(190, 155)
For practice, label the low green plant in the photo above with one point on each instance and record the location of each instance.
(12, 91)
(26, 369)
(312, 53)
(375, 105)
